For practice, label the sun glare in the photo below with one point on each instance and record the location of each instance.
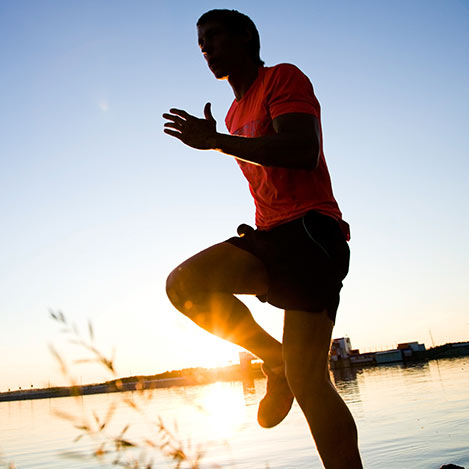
(210, 352)
(223, 407)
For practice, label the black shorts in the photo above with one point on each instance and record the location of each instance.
(306, 260)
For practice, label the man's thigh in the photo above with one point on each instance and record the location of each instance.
(223, 268)
(306, 341)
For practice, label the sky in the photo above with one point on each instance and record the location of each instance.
(98, 205)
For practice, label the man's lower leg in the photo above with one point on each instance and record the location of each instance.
(225, 316)
(332, 426)
(306, 343)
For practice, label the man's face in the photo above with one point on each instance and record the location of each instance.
(222, 50)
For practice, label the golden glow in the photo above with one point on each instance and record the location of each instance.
(209, 351)
(223, 409)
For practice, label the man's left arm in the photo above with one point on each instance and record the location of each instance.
(295, 144)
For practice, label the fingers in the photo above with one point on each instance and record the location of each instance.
(173, 133)
(175, 122)
(180, 116)
(173, 125)
(194, 132)
(175, 119)
(180, 112)
(208, 112)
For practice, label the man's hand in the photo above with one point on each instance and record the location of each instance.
(294, 144)
(194, 132)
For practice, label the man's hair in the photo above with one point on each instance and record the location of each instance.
(236, 23)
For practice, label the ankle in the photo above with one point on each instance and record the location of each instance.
(276, 369)
(274, 362)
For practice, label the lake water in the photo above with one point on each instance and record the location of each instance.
(408, 417)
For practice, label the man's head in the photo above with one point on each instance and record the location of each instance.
(227, 33)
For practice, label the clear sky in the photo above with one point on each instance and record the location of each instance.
(97, 205)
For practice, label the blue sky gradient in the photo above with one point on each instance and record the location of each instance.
(98, 205)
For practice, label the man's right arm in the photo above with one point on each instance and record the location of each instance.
(295, 144)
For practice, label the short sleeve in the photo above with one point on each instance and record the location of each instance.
(289, 90)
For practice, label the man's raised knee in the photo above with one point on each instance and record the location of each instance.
(182, 291)
(174, 289)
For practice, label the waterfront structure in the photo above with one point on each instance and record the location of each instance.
(343, 356)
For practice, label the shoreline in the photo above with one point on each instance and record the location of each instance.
(185, 377)
(200, 376)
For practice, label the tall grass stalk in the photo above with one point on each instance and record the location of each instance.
(122, 450)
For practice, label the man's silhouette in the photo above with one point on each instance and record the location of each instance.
(297, 257)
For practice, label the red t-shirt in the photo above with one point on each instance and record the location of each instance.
(282, 194)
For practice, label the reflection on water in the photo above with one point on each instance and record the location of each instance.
(345, 380)
(221, 400)
(249, 391)
(408, 417)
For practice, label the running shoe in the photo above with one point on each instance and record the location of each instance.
(278, 399)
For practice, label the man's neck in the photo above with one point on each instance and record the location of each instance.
(243, 78)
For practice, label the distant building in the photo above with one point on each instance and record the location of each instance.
(340, 349)
(342, 355)
(410, 349)
(388, 356)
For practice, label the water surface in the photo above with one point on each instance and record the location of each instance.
(411, 417)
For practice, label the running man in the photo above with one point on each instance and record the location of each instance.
(297, 257)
